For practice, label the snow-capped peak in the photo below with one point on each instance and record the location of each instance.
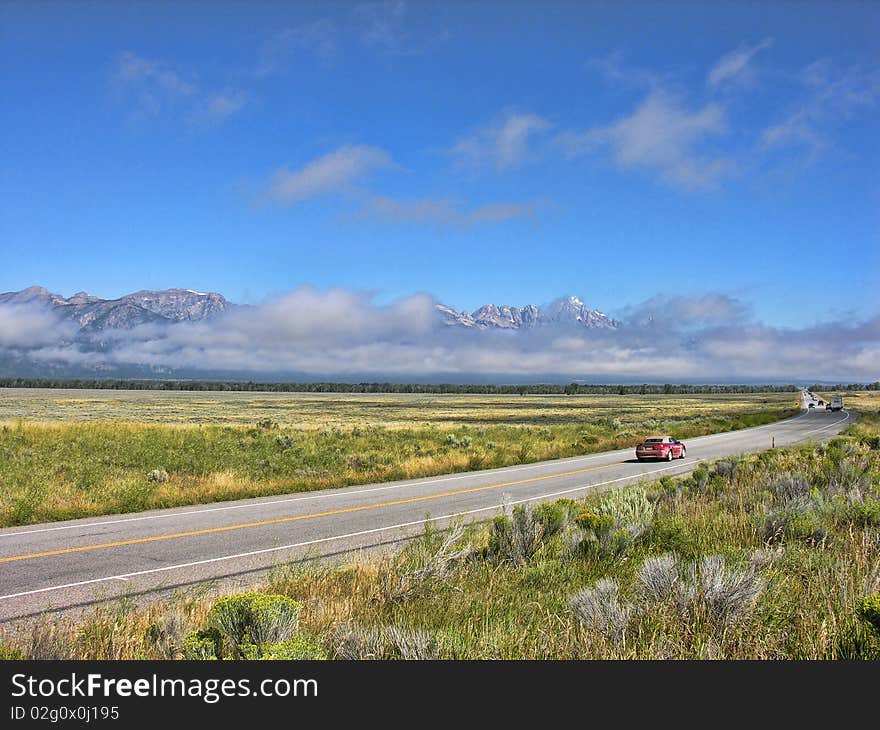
(566, 311)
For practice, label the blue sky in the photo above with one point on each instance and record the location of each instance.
(479, 152)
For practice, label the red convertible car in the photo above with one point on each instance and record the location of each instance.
(660, 447)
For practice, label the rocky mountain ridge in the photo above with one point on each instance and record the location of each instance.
(93, 314)
(567, 311)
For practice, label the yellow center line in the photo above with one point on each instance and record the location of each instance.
(278, 520)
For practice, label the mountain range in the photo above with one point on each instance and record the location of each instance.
(568, 311)
(92, 315)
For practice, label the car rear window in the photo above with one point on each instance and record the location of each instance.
(653, 441)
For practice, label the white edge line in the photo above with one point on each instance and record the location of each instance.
(830, 425)
(338, 492)
(126, 576)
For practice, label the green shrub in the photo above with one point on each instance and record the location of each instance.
(670, 535)
(604, 535)
(300, 647)
(571, 506)
(543, 572)
(872, 442)
(700, 478)
(158, 476)
(552, 517)
(866, 513)
(253, 618)
(526, 531)
(594, 521)
(806, 527)
(205, 644)
(668, 485)
(630, 508)
(501, 537)
(868, 610)
(716, 484)
(725, 469)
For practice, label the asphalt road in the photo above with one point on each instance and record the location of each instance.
(66, 566)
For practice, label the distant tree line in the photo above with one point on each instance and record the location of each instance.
(326, 387)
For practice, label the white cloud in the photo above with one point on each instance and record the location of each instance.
(684, 313)
(151, 84)
(501, 146)
(796, 129)
(734, 67)
(331, 173)
(224, 104)
(613, 69)
(279, 51)
(26, 326)
(154, 88)
(445, 212)
(830, 97)
(500, 212)
(131, 68)
(660, 135)
(382, 23)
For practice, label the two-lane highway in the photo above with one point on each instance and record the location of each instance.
(60, 566)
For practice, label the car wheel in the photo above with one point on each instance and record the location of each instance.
(683, 452)
(669, 455)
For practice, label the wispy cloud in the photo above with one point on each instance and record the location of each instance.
(444, 212)
(150, 85)
(129, 68)
(734, 67)
(346, 169)
(830, 96)
(661, 135)
(382, 23)
(217, 107)
(331, 173)
(797, 129)
(501, 146)
(613, 69)
(278, 52)
(154, 88)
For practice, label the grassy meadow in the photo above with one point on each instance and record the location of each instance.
(769, 556)
(74, 453)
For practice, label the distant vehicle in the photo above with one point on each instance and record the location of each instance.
(827, 406)
(836, 403)
(660, 447)
(812, 405)
(821, 402)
